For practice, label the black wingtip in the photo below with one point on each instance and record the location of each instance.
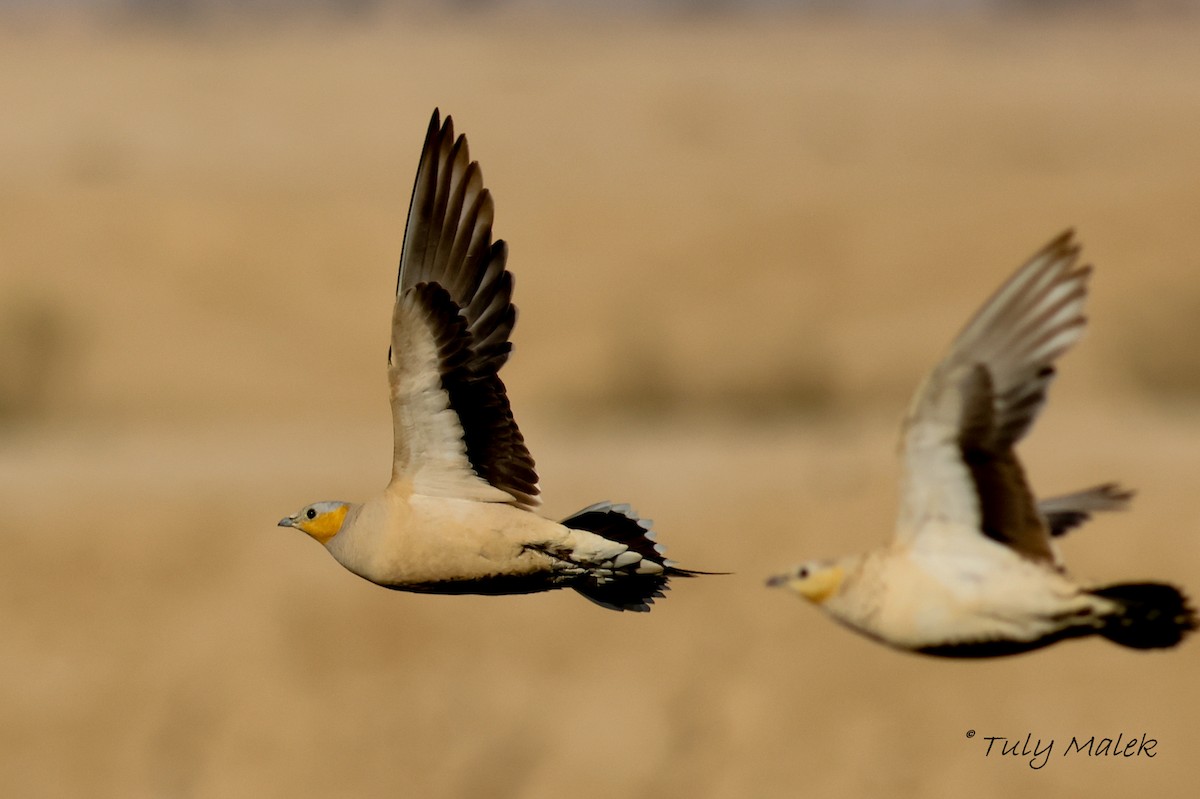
(436, 130)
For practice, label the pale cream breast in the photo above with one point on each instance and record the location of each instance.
(418, 540)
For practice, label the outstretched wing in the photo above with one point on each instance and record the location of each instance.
(960, 467)
(1066, 512)
(453, 427)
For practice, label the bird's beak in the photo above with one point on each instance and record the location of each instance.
(288, 522)
(778, 581)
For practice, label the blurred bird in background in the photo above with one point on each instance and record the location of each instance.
(972, 570)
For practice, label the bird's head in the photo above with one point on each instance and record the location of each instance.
(816, 580)
(321, 520)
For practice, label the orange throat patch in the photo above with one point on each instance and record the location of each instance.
(326, 525)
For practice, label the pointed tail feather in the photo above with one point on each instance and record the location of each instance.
(1151, 615)
(634, 579)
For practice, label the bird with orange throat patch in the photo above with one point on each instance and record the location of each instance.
(972, 569)
(457, 516)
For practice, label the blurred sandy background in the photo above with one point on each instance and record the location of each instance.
(739, 240)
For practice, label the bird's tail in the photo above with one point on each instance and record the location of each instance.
(636, 577)
(1150, 615)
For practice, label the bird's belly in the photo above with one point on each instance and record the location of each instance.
(936, 600)
(438, 545)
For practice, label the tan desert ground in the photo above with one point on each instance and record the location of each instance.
(739, 241)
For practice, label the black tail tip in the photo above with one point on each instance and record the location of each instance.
(635, 594)
(1152, 615)
(625, 588)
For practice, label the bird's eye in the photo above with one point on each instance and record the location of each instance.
(312, 513)
(803, 573)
